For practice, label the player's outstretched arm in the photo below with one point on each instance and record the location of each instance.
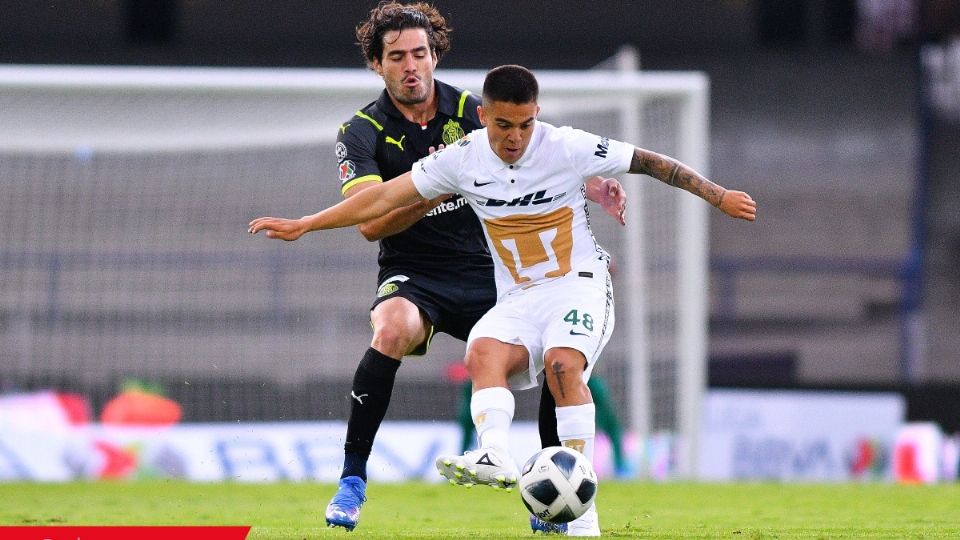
(364, 206)
(610, 195)
(737, 204)
(398, 220)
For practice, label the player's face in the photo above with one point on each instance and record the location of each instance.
(407, 65)
(509, 127)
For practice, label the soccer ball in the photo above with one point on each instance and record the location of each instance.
(558, 484)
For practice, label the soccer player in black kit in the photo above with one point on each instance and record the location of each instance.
(436, 274)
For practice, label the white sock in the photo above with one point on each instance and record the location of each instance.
(576, 426)
(492, 412)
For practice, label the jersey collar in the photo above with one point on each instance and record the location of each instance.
(448, 98)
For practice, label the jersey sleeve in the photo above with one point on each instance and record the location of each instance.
(437, 174)
(594, 155)
(356, 151)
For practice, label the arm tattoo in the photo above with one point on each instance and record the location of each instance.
(673, 173)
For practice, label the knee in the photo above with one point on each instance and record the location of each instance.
(564, 364)
(564, 377)
(394, 340)
(478, 359)
(398, 327)
(474, 362)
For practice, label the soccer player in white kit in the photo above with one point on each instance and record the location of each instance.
(554, 312)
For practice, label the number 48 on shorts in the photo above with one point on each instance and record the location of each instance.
(576, 319)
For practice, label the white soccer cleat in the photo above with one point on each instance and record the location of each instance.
(586, 525)
(488, 466)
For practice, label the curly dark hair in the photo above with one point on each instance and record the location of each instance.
(389, 15)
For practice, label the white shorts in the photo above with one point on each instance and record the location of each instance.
(574, 311)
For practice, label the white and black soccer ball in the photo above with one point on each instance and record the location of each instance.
(558, 484)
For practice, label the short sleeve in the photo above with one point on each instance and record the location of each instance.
(356, 151)
(594, 155)
(437, 174)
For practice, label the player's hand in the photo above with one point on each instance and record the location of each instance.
(612, 198)
(279, 228)
(437, 149)
(738, 204)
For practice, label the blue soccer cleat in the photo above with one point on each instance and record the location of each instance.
(545, 527)
(344, 508)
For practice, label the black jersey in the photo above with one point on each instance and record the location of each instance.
(378, 144)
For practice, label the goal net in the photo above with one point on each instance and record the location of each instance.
(126, 197)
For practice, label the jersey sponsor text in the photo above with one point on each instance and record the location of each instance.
(448, 206)
(539, 197)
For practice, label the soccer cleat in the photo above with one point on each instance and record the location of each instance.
(489, 466)
(545, 527)
(344, 508)
(586, 525)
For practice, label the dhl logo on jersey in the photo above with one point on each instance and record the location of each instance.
(529, 199)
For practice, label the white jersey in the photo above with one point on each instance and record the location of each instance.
(533, 211)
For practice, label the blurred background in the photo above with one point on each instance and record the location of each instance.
(840, 117)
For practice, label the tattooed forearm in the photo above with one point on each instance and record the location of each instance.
(674, 173)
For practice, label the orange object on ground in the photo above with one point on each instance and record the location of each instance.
(137, 407)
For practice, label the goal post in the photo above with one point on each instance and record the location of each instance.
(137, 183)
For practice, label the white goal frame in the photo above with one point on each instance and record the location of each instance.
(583, 89)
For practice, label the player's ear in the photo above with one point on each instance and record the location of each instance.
(377, 67)
(483, 117)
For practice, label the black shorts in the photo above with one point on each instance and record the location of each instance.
(452, 305)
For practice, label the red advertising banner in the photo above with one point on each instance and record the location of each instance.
(123, 533)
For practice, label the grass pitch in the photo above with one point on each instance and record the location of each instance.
(627, 509)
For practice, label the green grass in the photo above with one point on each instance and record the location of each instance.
(627, 510)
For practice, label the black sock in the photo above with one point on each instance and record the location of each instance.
(369, 399)
(547, 419)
